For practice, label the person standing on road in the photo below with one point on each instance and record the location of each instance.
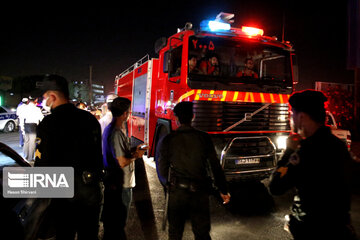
(106, 119)
(120, 170)
(32, 116)
(19, 113)
(187, 155)
(317, 164)
(70, 137)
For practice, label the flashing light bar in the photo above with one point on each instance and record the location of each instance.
(218, 26)
(251, 31)
(214, 26)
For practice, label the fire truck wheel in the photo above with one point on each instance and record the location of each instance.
(161, 132)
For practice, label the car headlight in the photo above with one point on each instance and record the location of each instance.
(281, 142)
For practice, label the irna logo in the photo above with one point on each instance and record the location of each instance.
(33, 180)
(38, 182)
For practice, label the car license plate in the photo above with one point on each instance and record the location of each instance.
(247, 161)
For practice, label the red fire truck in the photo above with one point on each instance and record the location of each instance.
(247, 115)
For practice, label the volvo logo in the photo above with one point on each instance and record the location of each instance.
(248, 116)
(205, 95)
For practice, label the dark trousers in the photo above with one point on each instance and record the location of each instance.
(184, 204)
(72, 217)
(114, 214)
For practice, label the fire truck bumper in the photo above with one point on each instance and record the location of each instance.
(258, 174)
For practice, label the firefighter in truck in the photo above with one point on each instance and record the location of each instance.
(246, 115)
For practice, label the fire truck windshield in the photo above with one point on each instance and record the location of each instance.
(220, 63)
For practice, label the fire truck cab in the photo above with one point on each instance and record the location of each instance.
(239, 81)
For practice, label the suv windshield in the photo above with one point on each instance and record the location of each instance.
(238, 65)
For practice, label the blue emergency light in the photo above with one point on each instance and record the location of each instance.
(218, 26)
(214, 26)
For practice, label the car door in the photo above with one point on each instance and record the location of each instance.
(20, 218)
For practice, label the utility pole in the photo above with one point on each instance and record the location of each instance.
(90, 85)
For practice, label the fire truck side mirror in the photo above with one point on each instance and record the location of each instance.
(160, 44)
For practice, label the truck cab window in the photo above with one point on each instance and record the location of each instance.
(175, 62)
(239, 65)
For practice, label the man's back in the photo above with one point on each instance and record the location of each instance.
(188, 152)
(191, 153)
(70, 137)
(20, 109)
(323, 171)
(321, 178)
(31, 113)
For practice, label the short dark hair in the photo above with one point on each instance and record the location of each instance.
(212, 54)
(119, 105)
(247, 59)
(192, 56)
(184, 111)
(52, 82)
(310, 102)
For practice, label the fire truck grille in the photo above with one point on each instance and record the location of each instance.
(218, 116)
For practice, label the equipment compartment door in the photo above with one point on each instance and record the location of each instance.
(139, 102)
(139, 96)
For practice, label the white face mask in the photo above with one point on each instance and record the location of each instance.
(45, 106)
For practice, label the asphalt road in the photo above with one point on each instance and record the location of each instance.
(252, 214)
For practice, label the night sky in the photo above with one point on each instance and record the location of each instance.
(66, 41)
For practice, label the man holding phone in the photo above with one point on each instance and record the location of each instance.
(119, 161)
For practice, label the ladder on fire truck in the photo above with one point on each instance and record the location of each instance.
(135, 65)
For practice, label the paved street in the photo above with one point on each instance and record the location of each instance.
(253, 214)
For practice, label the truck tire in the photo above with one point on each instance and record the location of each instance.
(161, 132)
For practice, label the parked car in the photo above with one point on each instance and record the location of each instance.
(344, 135)
(8, 120)
(21, 218)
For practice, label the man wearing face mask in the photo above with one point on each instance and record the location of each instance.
(70, 137)
(317, 164)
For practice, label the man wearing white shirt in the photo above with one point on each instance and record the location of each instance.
(32, 116)
(19, 113)
(107, 117)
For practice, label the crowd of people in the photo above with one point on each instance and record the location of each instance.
(99, 150)
(211, 66)
(31, 111)
(95, 143)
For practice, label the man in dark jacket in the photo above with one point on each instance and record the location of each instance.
(188, 153)
(317, 164)
(70, 137)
